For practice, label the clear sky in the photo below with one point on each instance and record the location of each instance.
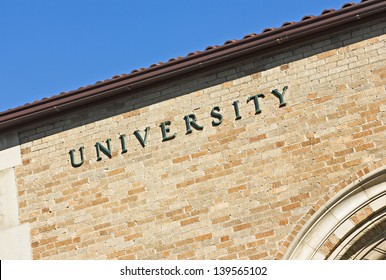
(51, 46)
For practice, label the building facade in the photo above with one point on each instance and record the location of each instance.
(268, 147)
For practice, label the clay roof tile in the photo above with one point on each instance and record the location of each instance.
(248, 36)
(287, 23)
(348, 5)
(265, 30)
(307, 17)
(328, 11)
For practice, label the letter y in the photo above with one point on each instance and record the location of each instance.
(280, 95)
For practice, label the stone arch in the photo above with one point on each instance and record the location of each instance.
(350, 225)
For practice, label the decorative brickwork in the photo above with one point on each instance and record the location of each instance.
(239, 186)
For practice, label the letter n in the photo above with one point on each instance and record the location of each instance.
(100, 148)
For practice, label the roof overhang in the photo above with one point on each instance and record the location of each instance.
(273, 40)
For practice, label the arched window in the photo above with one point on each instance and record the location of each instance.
(352, 224)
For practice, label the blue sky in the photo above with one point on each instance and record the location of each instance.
(48, 46)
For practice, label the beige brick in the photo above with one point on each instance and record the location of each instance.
(189, 221)
(220, 219)
(242, 227)
(265, 234)
(203, 237)
(291, 206)
(181, 159)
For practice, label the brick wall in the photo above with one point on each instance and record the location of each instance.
(238, 190)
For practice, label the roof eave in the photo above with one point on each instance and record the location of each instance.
(269, 40)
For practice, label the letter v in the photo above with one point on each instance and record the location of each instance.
(139, 137)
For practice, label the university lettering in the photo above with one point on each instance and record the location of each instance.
(191, 123)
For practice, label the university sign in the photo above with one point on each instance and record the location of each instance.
(191, 123)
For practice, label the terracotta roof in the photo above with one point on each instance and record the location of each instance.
(288, 31)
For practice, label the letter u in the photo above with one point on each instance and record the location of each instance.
(72, 157)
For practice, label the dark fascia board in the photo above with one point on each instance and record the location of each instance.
(297, 32)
